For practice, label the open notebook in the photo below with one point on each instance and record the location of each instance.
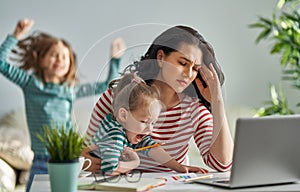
(145, 184)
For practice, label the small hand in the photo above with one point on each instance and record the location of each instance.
(130, 160)
(118, 48)
(129, 154)
(23, 26)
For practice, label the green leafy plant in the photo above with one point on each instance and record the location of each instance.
(61, 144)
(283, 29)
(278, 104)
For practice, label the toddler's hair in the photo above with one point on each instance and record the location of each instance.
(31, 50)
(132, 93)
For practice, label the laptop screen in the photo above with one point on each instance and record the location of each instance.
(266, 150)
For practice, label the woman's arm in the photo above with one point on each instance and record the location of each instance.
(221, 147)
(101, 109)
(158, 154)
(130, 160)
(96, 162)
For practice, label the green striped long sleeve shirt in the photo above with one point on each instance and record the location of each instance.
(48, 103)
(111, 139)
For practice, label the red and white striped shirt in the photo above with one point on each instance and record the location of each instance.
(175, 127)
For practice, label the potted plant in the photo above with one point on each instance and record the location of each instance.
(283, 29)
(277, 105)
(64, 148)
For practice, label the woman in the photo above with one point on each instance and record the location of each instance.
(183, 66)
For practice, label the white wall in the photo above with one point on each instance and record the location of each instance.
(91, 25)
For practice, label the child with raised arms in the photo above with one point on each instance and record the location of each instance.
(47, 77)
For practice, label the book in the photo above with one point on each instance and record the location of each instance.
(145, 184)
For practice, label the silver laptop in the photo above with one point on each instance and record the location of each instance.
(266, 152)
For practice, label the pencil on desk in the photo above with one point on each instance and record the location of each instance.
(200, 177)
(148, 147)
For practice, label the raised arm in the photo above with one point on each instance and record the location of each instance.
(88, 89)
(221, 147)
(118, 48)
(15, 74)
(23, 26)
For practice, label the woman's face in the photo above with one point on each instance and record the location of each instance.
(180, 68)
(56, 62)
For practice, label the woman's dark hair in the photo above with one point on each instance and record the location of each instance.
(169, 41)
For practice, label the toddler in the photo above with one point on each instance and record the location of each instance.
(136, 108)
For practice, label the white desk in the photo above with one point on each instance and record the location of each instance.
(41, 184)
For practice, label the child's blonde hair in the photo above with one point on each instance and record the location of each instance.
(32, 49)
(132, 93)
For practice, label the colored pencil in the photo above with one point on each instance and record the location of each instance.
(200, 177)
(148, 147)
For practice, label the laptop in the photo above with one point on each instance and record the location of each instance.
(266, 152)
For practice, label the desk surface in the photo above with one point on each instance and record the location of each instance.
(41, 184)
